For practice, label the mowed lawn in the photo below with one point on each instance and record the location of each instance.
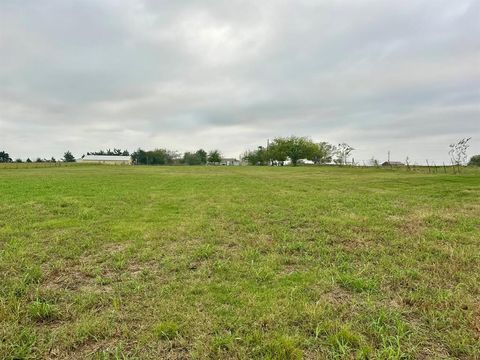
(244, 262)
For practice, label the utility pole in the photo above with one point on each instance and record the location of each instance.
(389, 156)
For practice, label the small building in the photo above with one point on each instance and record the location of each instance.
(230, 162)
(106, 159)
(393, 163)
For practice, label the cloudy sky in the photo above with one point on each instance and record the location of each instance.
(383, 75)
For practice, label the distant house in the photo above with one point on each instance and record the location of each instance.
(230, 162)
(393, 163)
(106, 159)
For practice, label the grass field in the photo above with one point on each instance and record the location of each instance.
(246, 262)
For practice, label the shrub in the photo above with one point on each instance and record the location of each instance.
(474, 160)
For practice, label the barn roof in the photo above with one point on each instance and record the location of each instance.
(106, 158)
(386, 163)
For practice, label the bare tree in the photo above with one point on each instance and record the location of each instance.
(343, 152)
(373, 162)
(458, 152)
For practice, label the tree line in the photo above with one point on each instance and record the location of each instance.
(281, 150)
(5, 158)
(295, 149)
(169, 157)
(114, 152)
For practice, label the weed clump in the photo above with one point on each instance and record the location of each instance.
(41, 311)
(167, 330)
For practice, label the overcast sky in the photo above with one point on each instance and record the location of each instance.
(383, 75)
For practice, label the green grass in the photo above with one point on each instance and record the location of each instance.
(119, 262)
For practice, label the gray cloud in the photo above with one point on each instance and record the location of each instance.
(381, 75)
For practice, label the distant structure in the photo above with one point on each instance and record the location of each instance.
(393, 163)
(106, 159)
(230, 162)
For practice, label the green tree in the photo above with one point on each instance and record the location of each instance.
(323, 153)
(139, 157)
(154, 157)
(474, 160)
(277, 151)
(162, 157)
(68, 157)
(4, 157)
(28, 160)
(191, 159)
(197, 158)
(214, 157)
(294, 148)
(256, 157)
(250, 156)
(202, 155)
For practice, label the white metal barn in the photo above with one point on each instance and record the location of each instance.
(106, 159)
(229, 162)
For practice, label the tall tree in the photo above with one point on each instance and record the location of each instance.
(202, 155)
(139, 157)
(458, 152)
(5, 157)
(197, 158)
(277, 151)
(343, 152)
(294, 148)
(214, 157)
(323, 153)
(259, 156)
(68, 157)
(155, 157)
(191, 159)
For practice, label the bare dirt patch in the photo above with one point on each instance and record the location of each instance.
(338, 296)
